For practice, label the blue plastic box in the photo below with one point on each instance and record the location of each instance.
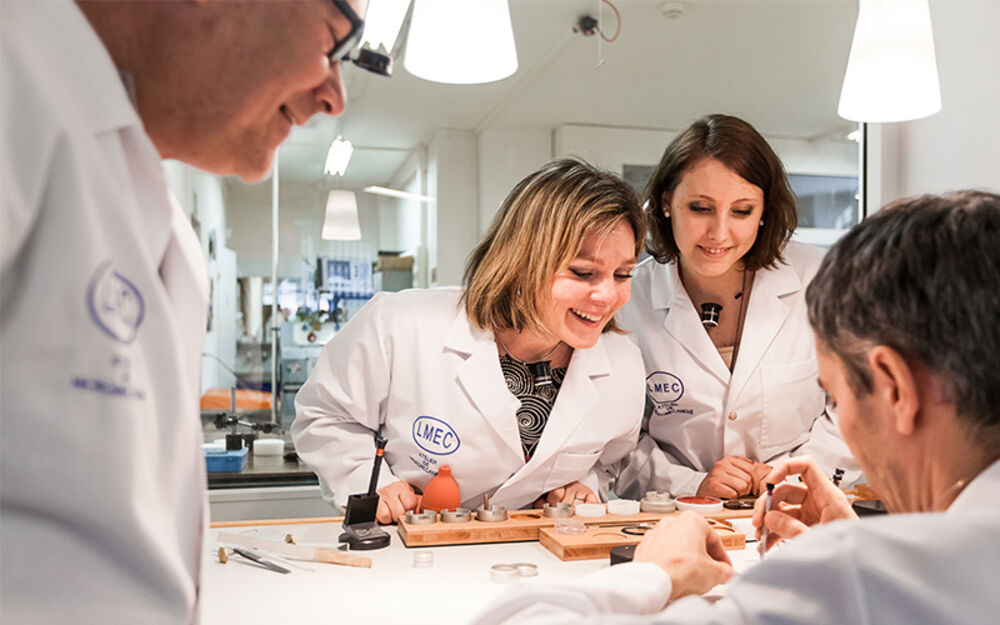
(228, 462)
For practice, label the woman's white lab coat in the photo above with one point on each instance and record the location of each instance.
(770, 406)
(413, 364)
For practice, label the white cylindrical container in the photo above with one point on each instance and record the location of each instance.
(268, 447)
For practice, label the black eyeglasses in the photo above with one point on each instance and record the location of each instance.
(370, 60)
(343, 47)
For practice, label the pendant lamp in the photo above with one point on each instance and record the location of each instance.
(341, 221)
(461, 42)
(891, 72)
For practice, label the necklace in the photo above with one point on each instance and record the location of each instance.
(541, 371)
(739, 321)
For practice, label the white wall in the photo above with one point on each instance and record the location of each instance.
(612, 148)
(506, 155)
(452, 175)
(959, 147)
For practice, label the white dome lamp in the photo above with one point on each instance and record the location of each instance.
(461, 42)
(891, 72)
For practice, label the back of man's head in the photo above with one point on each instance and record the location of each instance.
(921, 276)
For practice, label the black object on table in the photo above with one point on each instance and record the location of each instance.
(869, 507)
(361, 532)
(622, 553)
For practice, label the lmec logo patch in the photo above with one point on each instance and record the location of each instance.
(664, 390)
(435, 436)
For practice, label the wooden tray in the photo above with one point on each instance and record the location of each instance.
(597, 541)
(521, 525)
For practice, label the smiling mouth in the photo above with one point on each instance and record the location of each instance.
(714, 251)
(288, 114)
(585, 316)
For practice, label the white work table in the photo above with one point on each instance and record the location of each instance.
(455, 588)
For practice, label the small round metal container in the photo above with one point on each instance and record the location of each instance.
(657, 502)
(561, 510)
(427, 517)
(458, 515)
(493, 514)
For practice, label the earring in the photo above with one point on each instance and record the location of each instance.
(666, 214)
(762, 222)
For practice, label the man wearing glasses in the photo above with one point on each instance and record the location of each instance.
(103, 289)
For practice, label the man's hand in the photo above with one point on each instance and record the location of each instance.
(689, 551)
(394, 501)
(572, 494)
(796, 507)
(731, 477)
(760, 473)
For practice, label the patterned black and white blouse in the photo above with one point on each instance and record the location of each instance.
(536, 401)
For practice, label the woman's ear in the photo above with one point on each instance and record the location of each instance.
(896, 385)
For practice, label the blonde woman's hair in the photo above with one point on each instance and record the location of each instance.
(538, 230)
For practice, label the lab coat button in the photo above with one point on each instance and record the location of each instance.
(732, 416)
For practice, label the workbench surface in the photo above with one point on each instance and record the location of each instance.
(456, 587)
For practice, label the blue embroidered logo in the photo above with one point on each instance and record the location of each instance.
(664, 390)
(435, 436)
(115, 305)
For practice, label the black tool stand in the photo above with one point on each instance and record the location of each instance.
(361, 532)
(622, 553)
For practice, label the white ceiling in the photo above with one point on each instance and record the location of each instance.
(777, 63)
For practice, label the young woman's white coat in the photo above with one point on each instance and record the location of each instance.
(770, 406)
(413, 364)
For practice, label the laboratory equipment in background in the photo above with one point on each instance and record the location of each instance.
(294, 373)
(232, 454)
(345, 280)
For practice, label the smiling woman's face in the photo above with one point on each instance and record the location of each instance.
(715, 215)
(585, 296)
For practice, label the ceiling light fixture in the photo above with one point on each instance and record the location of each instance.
(338, 156)
(341, 220)
(891, 72)
(461, 42)
(405, 195)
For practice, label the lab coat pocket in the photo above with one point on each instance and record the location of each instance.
(792, 400)
(570, 467)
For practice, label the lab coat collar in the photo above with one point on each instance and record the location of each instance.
(100, 104)
(682, 321)
(87, 72)
(980, 494)
(766, 314)
(482, 378)
(577, 397)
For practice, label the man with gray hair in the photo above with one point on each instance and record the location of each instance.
(905, 308)
(104, 290)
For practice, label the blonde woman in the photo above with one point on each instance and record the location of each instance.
(520, 381)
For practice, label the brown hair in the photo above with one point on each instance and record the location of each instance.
(920, 276)
(742, 149)
(537, 232)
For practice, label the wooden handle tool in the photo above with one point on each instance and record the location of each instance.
(301, 552)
